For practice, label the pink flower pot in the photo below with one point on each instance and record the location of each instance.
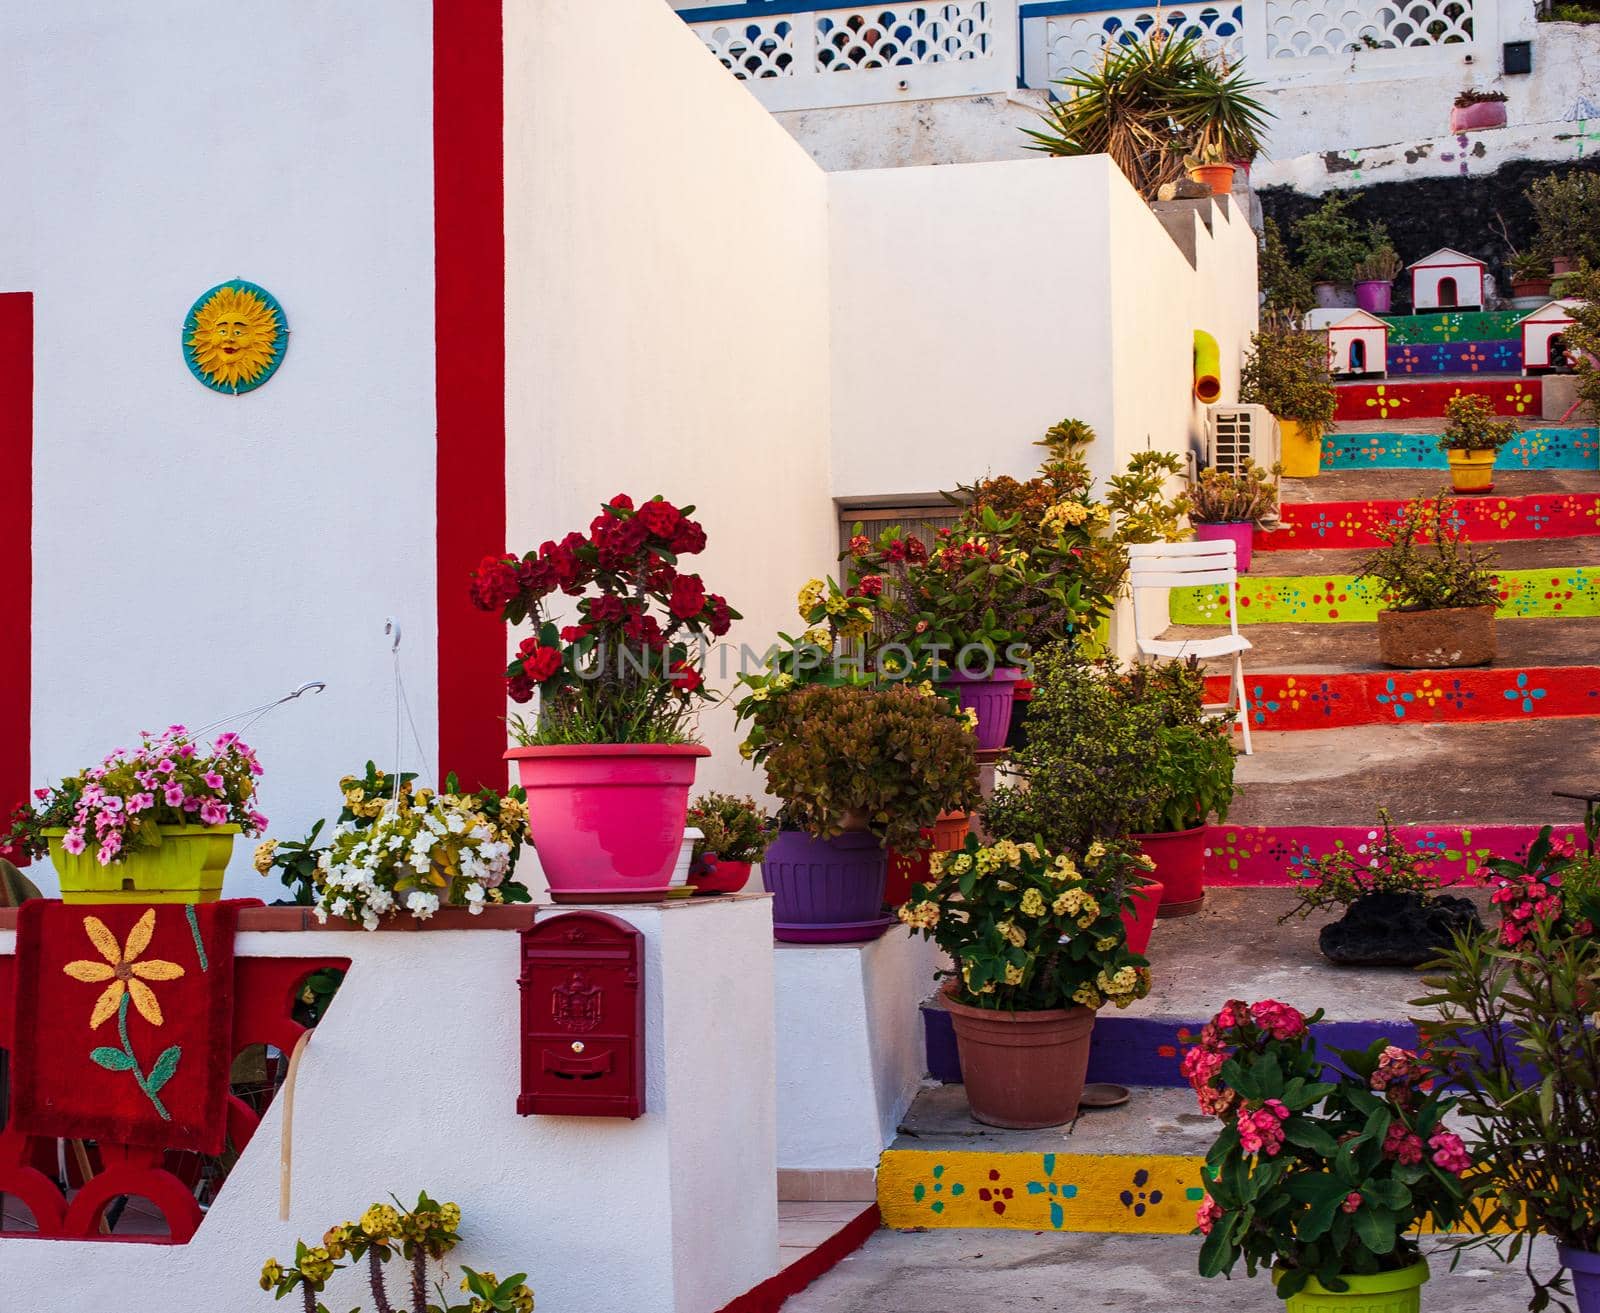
(1180, 858)
(1473, 118)
(991, 696)
(607, 819)
(1238, 532)
(1374, 297)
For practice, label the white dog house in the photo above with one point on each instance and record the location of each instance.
(1540, 329)
(1358, 343)
(1447, 280)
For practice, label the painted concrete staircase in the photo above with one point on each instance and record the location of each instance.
(1466, 761)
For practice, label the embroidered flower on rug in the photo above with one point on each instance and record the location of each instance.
(121, 969)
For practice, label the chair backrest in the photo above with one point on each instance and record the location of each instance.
(1185, 565)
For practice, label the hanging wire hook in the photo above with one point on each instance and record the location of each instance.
(256, 713)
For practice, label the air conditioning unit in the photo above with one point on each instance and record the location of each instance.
(1235, 434)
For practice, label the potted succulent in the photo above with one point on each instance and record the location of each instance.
(1530, 274)
(1392, 912)
(1322, 1173)
(1471, 439)
(1441, 594)
(1286, 371)
(859, 768)
(1122, 752)
(1331, 245)
(734, 832)
(154, 824)
(1474, 111)
(1037, 945)
(1376, 271)
(1512, 1025)
(610, 759)
(1227, 507)
(1211, 166)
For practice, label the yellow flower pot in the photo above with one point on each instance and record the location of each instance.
(1301, 453)
(187, 867)
(1471, 471)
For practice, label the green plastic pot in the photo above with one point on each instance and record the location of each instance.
(1387, 1292)
(186, 868)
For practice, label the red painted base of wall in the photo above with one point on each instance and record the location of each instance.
(1414, 399)
(771, 1293)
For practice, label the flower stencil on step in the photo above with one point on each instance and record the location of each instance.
(937, 1191)
(1395, 699)
(1519, 398)
(122, 971)
(1521, 691)
(994, 1194)
(1138, 1198)
(1385, 402)
(1057, 1192)
(1260, 707)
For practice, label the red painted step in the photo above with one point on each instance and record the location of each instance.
(1354, 524)
(1411, 398)
(1428, 697)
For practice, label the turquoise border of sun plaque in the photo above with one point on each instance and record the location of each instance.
(279, 348)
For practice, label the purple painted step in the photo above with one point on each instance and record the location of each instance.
(1503, 357)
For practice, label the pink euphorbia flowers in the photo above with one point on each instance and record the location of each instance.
(121, 804)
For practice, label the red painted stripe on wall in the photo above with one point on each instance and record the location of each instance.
(1351, 524)
(469, 330)
(16, 547)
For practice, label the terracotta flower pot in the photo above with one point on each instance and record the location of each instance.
(1437, 640)
(1384, 1292)
(607, 819)
(949, 832)
(1140, 923)
(1563, 264)
(1239, 532)
(1022, 1070)
(1475, 117)
(1531, 287)
(1180, 858)
(1471, 471)
(1218, 177)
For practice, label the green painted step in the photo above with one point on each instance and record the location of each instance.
(1343, 598)
(1459, 326)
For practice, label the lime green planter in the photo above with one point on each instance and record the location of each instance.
(186, 868)
(1387, 1292)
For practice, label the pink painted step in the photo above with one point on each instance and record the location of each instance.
(1415, 398)
(1354, 524)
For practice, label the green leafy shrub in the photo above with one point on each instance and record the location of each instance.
(1113, 751)
(735, 829)
(1330, 241)
(1285, 290)
(1472, 426)
(1427, 562)
(1286, 371)
(1566, 208)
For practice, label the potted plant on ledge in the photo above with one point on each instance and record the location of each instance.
(1530, 275)
(1286, 371)
(1038, 946)
(1229, 507)
(609, 760)
(1375, 273)
(1474, 111)
(1471, 440)
(1440, 591)
(153, 825)
(1331, 245)
(1323, 1174)
(734, 833)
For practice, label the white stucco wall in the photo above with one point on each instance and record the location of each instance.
(197, 554)
(673, 1213)
(666, 310)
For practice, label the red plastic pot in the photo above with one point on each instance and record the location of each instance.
(1141, 921)
(607, 819)
(714, 876)
(1180, 861)
(1479, 115)
(1238, 532)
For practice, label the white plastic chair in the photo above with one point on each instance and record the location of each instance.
(1190, 565)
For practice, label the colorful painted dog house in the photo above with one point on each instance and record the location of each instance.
(1358, 344)
(1540, 329)
(1447, 280)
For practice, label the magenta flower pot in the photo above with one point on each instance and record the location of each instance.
(826, 891)
(1374, 297)
(607, 819)
(1238, 532)
(1585, 1269)
(1483, 114)
(991, 696)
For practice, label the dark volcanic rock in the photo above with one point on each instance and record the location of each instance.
(1396, 930)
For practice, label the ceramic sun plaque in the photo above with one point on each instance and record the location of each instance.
(234, 337)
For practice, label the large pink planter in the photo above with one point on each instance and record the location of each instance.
(607, 819)
(1238, 532)
(1374, 296)
(1483, 114)
(991, 696)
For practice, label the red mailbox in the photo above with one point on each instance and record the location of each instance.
(582, 1017)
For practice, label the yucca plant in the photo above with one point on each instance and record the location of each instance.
(1148, 104)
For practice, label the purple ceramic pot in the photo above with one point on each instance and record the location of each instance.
(1238, 532)
(991, 696)
(826, 890)
(1585, 1269)
(1374, 297)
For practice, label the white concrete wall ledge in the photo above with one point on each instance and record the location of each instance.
(411, 1083)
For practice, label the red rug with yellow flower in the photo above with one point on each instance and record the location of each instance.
(123, 1023)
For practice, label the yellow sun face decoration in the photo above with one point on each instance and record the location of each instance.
(234, 337)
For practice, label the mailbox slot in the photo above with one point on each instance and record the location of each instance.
(582, 987)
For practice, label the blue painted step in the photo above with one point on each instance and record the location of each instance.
(1531, 449)
(1503, 357)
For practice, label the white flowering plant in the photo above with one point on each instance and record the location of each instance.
(1029, 930)
(416, 851)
